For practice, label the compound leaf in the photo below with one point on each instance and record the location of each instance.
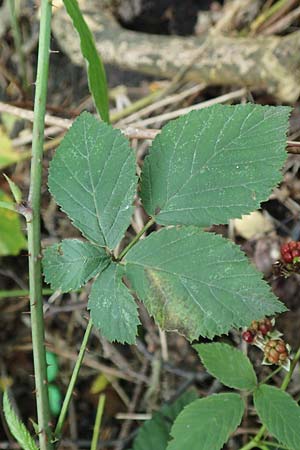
(113, 310)
(280, 414)
(155, 433)
(92, 177)
(214, 164)
(96, 71)
(228, 364)
(71, 263)
(16, 426)
(207, 423)
(197, 283)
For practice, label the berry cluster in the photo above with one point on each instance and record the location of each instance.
(276, 351)
(290, 251)
(257, 328)
(263, 335)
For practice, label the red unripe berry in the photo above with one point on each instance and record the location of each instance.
(248, 336)
(263, 329)
(262, 326)
(289, 251)
(293, 245)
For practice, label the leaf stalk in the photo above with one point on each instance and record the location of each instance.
(136, 239)
(73, 381)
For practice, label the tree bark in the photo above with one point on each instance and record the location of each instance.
(268, 63)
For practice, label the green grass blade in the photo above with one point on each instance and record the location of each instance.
(95, 67)
(16, 426)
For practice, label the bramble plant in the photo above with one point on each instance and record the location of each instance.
(203, 168)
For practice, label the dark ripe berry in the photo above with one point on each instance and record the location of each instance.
(289, 251)
(248, 336)
(276, 351)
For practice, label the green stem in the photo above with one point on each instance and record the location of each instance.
(136, 238)
(271, 375)
(18, 43)
(274, 444)
(289, 374)
(98, 421)
(22, 293)
(34, 232)
(258, 438)
(73, 380)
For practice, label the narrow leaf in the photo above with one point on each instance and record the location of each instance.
(92, 177)
(12, 240)
(15, 190)
(16, 427)
(113, 310)
(214, 164)
(70, 264)
(154, 433)
(228, 364)
(280, 414)
(197, 283)
(207, 423)
(95, 67)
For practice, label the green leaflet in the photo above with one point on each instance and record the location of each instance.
(55, 399)
(228, 364)
(8, 155)
(214, 164)
(96, 71)
(92, 177)
(16, 426)
(154, 433)
(113, 310)
(280, 414)
(12, 240)
(52, 366)
(197, 283)
(207, 423)
(71, 263)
